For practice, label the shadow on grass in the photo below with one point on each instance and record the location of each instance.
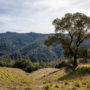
(77, 73)
(21, 89)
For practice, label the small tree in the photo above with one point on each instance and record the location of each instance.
(42, 63)
(29, 66)
(77, 29)
(6, 61)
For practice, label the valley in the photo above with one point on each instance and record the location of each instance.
(45, 79)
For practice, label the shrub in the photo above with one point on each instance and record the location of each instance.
(77, 84)
(81, 70)
(6, 62)
(25, 64)
(56, 86)
(66, 83)
(46, 87)
(61, 64)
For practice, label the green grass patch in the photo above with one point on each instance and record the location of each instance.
(81, 70)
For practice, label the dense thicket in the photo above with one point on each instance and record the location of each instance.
(21, 63)
(27, 65)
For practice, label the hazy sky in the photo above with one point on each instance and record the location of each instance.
(37, 15)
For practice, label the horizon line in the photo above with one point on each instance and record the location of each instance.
(23, 32)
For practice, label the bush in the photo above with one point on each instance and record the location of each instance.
(56, 86)
(61, 64)
(47, 88)
(77, 84)
(81, 70)
(6, 62)
(21, 63)
(26, 65)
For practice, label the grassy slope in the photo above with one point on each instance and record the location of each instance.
(14, 78)
(45, 79)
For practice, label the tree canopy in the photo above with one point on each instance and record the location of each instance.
(70, 31)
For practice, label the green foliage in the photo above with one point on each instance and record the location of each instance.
(21, 63)
(61, 64)
(81, 70)
(42, 64)
(88, 54)
(30, 45)
(25, 64)
(6, 62)
(82, 52)
(77, 26)
(10, 42)
(47, 87)
(38, 50)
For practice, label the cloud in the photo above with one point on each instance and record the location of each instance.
(37, 15)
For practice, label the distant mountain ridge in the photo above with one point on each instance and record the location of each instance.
(29, 45)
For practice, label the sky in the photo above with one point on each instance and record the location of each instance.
(25, 16)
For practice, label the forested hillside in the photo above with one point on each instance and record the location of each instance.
(29, 45)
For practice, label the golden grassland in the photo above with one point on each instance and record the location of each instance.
(45, 79)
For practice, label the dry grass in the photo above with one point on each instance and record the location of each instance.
(14, 78)
(42, 73)
(44, 79)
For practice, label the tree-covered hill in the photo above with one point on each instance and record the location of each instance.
(10, 42)
(37, 50)
(29, 45)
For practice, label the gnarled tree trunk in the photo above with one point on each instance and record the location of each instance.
(75, 64)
